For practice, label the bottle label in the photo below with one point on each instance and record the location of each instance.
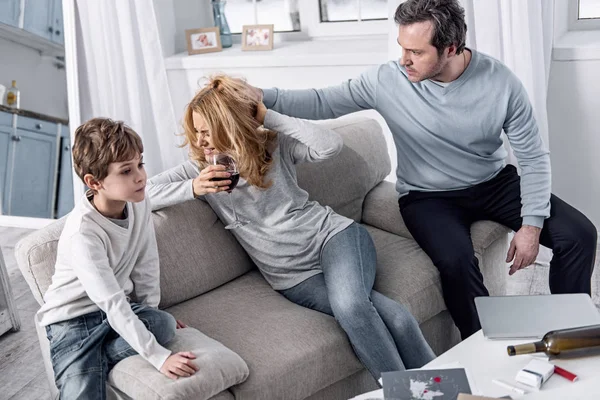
(11, 98)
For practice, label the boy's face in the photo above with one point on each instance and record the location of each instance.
(126, 181)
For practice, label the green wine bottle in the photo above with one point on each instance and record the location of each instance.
(563, 343)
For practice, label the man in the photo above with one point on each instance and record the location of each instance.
(446, 107)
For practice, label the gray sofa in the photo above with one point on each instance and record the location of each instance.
(208, 281)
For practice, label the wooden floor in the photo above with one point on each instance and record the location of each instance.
(22, 375)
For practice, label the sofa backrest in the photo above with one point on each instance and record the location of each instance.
(343, 182)
(197, 253)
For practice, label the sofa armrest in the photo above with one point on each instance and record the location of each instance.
(381, 210)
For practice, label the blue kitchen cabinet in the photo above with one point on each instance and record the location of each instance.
(58, 34)
(38, 18)
(32, 174)
(9, 12)
(5, 135)
(65, 199)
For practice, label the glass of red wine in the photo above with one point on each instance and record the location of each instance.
(231, 167)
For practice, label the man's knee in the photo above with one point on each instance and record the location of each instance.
(589, 237)
(457, 263)
(580, 240)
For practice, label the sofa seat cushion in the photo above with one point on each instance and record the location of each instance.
(292, 352)
(219, 369)
(406, 274)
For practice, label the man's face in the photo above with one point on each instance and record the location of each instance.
(126, 181)
(419, 56)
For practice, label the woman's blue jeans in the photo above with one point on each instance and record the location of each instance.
(384, 335)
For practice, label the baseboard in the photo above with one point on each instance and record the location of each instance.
(24, 222)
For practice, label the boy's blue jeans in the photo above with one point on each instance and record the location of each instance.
(84, 349)
(385, 336)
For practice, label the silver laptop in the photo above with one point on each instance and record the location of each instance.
(516, 317)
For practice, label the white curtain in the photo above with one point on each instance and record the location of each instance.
(519, 33)
(122, 75)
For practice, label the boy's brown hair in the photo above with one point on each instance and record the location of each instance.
(100, 142)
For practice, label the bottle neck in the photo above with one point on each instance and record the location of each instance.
(527, 348)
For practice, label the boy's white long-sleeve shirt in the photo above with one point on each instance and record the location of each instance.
(99, 266)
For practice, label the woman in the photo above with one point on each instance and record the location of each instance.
(313, 256)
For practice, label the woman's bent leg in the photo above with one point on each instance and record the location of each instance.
(410, 342)
(349, 262)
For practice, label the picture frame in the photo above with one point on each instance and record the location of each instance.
(257, 37)
(203, 40)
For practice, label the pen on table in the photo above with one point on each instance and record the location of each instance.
(565, 374)
(508, 386)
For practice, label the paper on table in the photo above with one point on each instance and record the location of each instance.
(472, 384)
(378, 394)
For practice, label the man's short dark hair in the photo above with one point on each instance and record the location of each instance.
(447, 17)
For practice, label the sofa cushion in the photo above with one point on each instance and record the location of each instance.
(292, 352)
(196, 252)
(218, 369)
(342, 182)
(406, 274)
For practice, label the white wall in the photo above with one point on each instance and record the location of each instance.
(175, 16)
(165, 18)
(43, 86)
(574, 119)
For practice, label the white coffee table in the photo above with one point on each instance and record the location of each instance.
(486, 360)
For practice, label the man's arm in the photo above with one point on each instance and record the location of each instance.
(332, 102)
(524, 136)
(534, 160)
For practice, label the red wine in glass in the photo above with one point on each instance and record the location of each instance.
(234, 178)
(231, 167)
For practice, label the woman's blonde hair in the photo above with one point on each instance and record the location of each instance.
(229, 111)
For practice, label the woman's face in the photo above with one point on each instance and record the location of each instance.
(204, 138)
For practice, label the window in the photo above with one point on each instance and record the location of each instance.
(584, 15)
(283, 14)
(352, 10)
(589, 9)
(311, 17)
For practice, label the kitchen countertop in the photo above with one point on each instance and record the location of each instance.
(33, 114)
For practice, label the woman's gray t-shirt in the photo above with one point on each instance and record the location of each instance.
(286, 231)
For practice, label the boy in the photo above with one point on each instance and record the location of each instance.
(102, 304)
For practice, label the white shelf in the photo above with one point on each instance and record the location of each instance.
(21, 36)
(326, 52)
(577, 45)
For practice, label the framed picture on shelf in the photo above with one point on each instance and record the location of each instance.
(203, 40)
(257, 37)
